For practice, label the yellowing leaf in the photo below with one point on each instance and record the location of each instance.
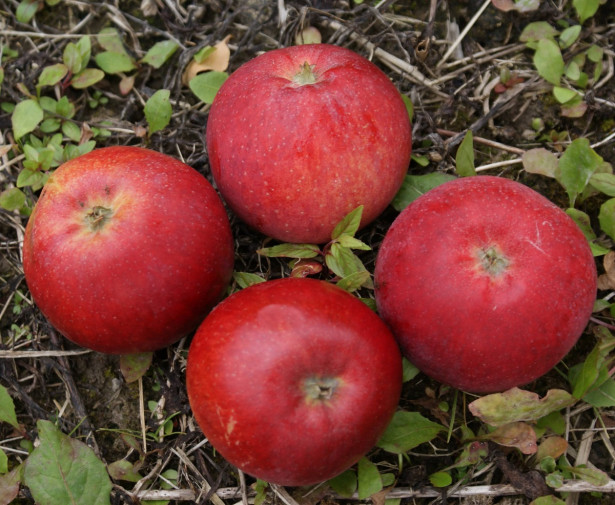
(519, 435)
(217, 60)
(552, 447)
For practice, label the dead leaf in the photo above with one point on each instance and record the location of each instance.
(127, 83)
(551, 446)
(519, 435)
(306, 267)
(518, 5)
(607, 280)
(309, 35)
(216, 60)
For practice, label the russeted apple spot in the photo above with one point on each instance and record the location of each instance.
(493, 261)
(97, 217)
(306, 75)
(319, 389)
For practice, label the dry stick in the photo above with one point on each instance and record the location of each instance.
(487, 142)
(463, 33)
(41, 354)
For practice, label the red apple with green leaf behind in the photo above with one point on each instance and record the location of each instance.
(127, 250)
(300, 136)
(485, 283)
(293, 380)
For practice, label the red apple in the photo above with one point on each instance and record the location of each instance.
(298, 137)
(293, 380)
(127, 249)
(485, 283)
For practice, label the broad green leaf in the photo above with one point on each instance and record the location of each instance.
(160, 52)
(592, 372)
(349, 224)
(114, 63)
(32, 178)
(603, 396)
(71, 130)
(417, 185)
(593, 476)
(352, 242)
(583, 222)
(603, 182)
(536, 31)
(26, 117)
(52, 74)
(518, 405)
(369, 480)
(540, 161)
(26, 10)
(464, 160)
(135, 366)
(569, 36)
(410, 371)
(548, 61)
(110, 40)
(158, 110)
(354, 281)
(548, 500)
(576, 166)
(573, 71)
(290, 251)
(606, 217)
(345, 484)
(206, 85)
(9, 485)
(12, 199)
(563, 95)
(65, 108)
(245, 279)
(124, 470)
(87, 78)
(554, 480)
(7, 408)
(440, 479)
(62, 471)
(585, 8)
(595, 53)
(519, 434)
(408, 430)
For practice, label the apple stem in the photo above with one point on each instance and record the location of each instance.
(305, 75)
(493, 261)
(98, 217)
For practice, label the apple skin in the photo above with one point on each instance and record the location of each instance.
(255, 371)
(292, 159)
(477, 329)
(140, 278)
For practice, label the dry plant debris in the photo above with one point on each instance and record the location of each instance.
(521, 89)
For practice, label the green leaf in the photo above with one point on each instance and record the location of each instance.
(26, 117)
(160, 52)
(349, 224)
(342, 261)
(26, 10)
(603, 396)
(606, 217)
(135, 366)
(417, 185)
(409, 106)
(114, 63)
(28, 177)
(71, 130)
(410, 371)
(563, 95)
(52, 74)
(569, 36)
(518, 405)
(206, 84)
(158, 110)
(603, 182)
(245, 279)
(110, 40)
(408, 430)
(290, 251)
(352, 243)
(345, 484)
(595, 53)
(576, 166)
(62, 470)
(593, 476)
(548, 500)
(124, 470)
(540, 161)
(536, 31)
(583, 222)
(87, 78)
(12, 199)
(203, 53)
(548, 61)
(592, 372)
(73, 58)
(464, 160)
(354, 281)
(441, 479)
(369, 480)
(585, 8)
(7, 408)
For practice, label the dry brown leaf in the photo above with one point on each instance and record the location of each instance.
(216, 61)
(606, 281)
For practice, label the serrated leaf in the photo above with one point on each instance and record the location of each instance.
(519, 435)
(206, 85)
(7, 408)
(86, 78)
(160, 52)
(354, 281)
(369, 480)
(540, 161)
(52, 74)
(548, 61)
(417, 185)
(585, 8)
(62, 470)
(26, 117)
(408, 430)
(464, 159)
(114, 63)
(518, 405)
(569, 36)
(342, 261)
(12, 199)
(26, 10)
(349, 224)
(576, 166)
(135, 366)
(158, 110)
(246, 279)
(345, 484)
(352, 242)
(290, 251)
